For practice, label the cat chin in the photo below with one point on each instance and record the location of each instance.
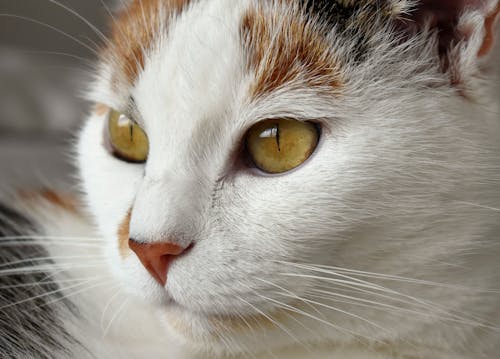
(219, 334)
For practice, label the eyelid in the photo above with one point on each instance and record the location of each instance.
(103, 109)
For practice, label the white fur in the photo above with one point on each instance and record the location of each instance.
(405, 182)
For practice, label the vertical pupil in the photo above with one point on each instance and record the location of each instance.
(273, 132)
(278, 136)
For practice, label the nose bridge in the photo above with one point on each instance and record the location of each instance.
(169, 207)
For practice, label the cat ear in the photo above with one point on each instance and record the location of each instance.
(470, 22)
(466, 31)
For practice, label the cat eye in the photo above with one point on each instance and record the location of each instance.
(278, 146)
(125, 139)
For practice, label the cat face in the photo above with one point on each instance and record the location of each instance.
(381, 189)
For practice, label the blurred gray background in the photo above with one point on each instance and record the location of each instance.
(43, 75)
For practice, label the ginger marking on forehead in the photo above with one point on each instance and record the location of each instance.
(135, 31)
(284, 48)
(123, 236)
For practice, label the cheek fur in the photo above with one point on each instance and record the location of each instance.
(57, 199)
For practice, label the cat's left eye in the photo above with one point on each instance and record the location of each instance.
(125, 139)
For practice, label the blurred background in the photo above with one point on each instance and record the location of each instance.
(46, 57)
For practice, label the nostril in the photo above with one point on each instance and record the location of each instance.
(188, 248)
(156, 257)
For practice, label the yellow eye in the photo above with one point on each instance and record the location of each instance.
(278, 146)
(127, 141)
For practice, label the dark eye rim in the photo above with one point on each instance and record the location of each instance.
(112, 150)
(250, 163)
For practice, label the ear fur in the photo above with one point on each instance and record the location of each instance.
(455, 20)
(465, 29)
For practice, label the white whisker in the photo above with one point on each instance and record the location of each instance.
(308, 315)
(86, 21)
(115, 316)
(36, 237)
(480, 206)
(336, 270)
(41, 23)
(47, 268)
(43, 295)
(73, 293)
(341, 311)
(280, 326)
(58, 259)
(106, 307)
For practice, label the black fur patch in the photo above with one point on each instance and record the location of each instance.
(331, 11)
(31, 328)
(351, 21)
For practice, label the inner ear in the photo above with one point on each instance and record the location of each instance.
(443, 16)
(464, 31)
(446, 18)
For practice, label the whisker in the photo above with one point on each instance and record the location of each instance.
(335, 280)
(106, 307)
(252, 330)
(480, 206)
(73, 293)
(55, 243)
(426, 304)
(273, 321)
(41, 23)
(395, 309)
(43, 295)
(343, 312)
(291, 293)
(115, 316)
(44, 282)
(308, 315)
(82, 59)
(48, 258)
(335, 271)
(36, 237)
(48, 268)
(363, 284)
(82, 18)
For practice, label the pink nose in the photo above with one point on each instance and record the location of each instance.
(156, 257)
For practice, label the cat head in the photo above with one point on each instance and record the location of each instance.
(246, 156)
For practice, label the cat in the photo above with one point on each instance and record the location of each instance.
(272, 179)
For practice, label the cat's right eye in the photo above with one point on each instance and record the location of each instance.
(280, 145)
(125, 139)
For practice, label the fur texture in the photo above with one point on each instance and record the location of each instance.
(384, 244)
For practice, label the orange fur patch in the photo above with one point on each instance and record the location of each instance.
(100, 109)
(135, 30)
(489, 37)
(62, 200)
(283, 48)
(123, 236)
